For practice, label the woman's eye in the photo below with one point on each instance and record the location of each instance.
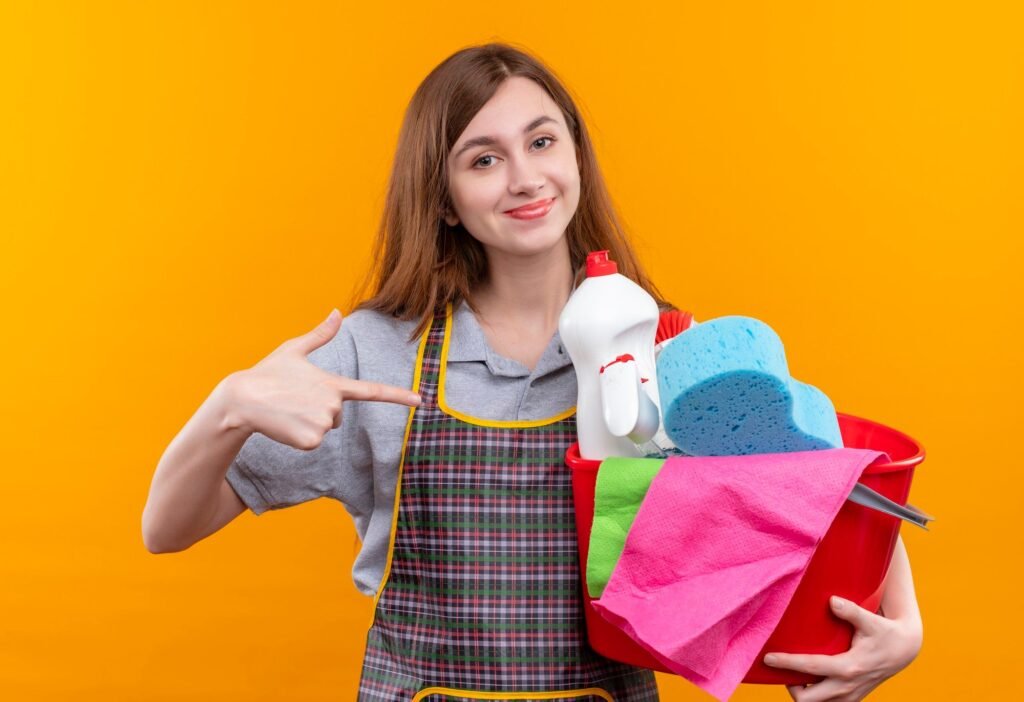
(479, 165)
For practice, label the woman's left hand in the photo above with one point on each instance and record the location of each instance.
(881, 648)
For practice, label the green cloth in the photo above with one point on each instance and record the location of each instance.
(622, 484)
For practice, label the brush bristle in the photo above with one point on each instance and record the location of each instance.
(671, 324)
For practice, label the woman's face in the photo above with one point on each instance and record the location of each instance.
(520, 152)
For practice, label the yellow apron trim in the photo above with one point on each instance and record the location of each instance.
(398, 483)
(443, 404)
(474, 695)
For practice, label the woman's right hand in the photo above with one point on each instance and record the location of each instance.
(289, 400)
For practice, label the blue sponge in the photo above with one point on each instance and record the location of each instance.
(726, 390)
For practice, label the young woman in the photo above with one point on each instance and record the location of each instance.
(450, 460)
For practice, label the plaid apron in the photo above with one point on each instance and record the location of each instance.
(481, 597)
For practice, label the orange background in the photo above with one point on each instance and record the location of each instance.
(186, 185)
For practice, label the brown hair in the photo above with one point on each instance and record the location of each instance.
(420, 263)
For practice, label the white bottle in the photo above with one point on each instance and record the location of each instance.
(608, 327)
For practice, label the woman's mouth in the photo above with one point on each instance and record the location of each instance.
(534, 210)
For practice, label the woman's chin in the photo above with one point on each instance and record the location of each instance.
(536, 243)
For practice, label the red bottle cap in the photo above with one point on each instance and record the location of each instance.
(599, 264)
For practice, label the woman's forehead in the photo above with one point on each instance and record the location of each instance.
(518, 106)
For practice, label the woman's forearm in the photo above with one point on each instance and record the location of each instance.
(184, 493)
(899, 601)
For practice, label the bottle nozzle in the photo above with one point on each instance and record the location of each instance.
(598, 263)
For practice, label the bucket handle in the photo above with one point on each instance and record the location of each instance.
(863, 495)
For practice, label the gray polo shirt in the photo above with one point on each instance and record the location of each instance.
(357, 463)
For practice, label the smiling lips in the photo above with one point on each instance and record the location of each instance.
(532, 210)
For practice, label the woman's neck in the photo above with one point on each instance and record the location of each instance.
(526, 294)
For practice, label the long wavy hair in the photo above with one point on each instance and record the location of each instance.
(420, 263)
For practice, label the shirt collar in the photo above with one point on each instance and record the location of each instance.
(468, 343)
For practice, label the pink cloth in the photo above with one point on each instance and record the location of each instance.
(717, 549)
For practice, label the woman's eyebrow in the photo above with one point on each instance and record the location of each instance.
(489, 141)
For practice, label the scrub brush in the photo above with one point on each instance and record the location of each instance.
(671, 324)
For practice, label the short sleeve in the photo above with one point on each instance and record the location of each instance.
(269, 475)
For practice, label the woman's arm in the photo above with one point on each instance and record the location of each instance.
(899, 600)
(292, 399)
(188, 491)
(882, 645)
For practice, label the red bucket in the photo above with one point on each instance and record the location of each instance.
(851, 561)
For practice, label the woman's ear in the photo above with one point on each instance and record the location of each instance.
(449, 217)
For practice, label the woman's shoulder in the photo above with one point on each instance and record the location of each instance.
(373, 345)
(373, 327)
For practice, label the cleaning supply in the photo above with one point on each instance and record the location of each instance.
(608, 328)
(671, 324)
(850, 561)
(621, 486)
(717, 550)
(726, 390)
(628, 410)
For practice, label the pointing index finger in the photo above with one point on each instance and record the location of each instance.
(377, 392)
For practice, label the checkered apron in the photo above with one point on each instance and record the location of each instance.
(482, 596)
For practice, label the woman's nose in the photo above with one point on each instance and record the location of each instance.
(523, 176)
